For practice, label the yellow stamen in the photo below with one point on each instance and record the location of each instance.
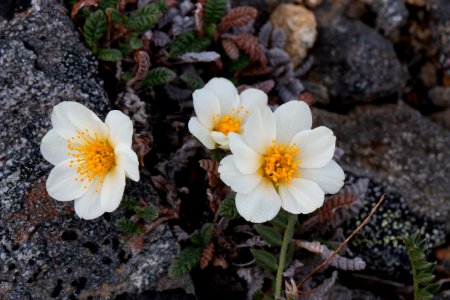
(93, 157)
(230, 122)
(281, 163)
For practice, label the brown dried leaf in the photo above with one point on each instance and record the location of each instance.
(220, 261)
(80, 4)
(307, 97)
(250, 45)
(198, 18)
(142, 60)
(159, 182)
(256, 71)
(137, 244)
(230, 49)
(212, 171)
(207, 255)
(142, 144)
(238, 16)
(123, 4)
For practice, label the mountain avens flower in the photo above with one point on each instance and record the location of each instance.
(91, 158)
(279, 161)
(221, 110)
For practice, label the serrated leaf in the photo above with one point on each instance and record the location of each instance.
(149, 213)
(159, 76)
(241, 63)
(267, 260)
(144, 18)
(135, 42)
(128, 203)
(196, 239)
(433, 288)
(269, 235)
(184, 262)
(126, 76)
(214, 10)
(128, 226)
(104, 4)
(424, 278)
(206, 233)
(94, 28)
(193, 81)
(188, 42)
(116, 16)
(228, 209)
(110, 54)
(424, 295)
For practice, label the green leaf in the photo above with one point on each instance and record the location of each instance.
(149, 213)
(184, 262)
(94, 28)
(289, 255)
(126, 76)
(217, 154)
(159, 76)
(215, 10)
(424, 295)
(424, 278)
(239, 64)
(104, 4)
(193, 81)
(135, 42)
(269, 235)
(110, 54)
(280, 220)
(267, 260)
(128, 203)
(228, 209)
(144, 18)
(433, 288)
(116, 16)
(206, 233)
(128, 226)
(188, 42)
(196, 239)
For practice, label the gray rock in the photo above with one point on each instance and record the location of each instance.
(399, 148)
(391, 14)
(353, 60)
(45, 249)
(440, 25)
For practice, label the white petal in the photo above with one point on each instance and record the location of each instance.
(220, 139)
(88, 207)
(112, 189)
(259, 130)
(225, 92)
(54, 148)
(61, 183)
(292, 117)
(128, 161)
(316, 146)
(261, 204)
(252, 99)
(330, 177)
(69, 117)
(301, 196)
(120, 128)
(206, 106)
(201, 133)
(239, 182)
(246, 159)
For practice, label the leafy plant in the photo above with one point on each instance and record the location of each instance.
(228, 209)
(184, 261)
(158, 76)
(422, 270)
(188, 42)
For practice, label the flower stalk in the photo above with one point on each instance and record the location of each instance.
(288, 233)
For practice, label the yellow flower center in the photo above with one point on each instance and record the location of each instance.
(92, 156)
(230, 122)
(281, 163)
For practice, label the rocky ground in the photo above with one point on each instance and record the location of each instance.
(380, 80)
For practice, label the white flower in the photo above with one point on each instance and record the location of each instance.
(279, 161)
(220, 111)
(91, 158)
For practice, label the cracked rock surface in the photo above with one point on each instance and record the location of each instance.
(46, 251)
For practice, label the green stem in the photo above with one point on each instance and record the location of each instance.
(288, 233)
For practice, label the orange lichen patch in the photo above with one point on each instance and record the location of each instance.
(93, 156)
(281, 163)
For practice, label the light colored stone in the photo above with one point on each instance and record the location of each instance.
(300, 27)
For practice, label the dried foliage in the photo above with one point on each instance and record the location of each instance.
(236, 17)
(142, 145)
(249, 44)
(339, 262)
(207, 255)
